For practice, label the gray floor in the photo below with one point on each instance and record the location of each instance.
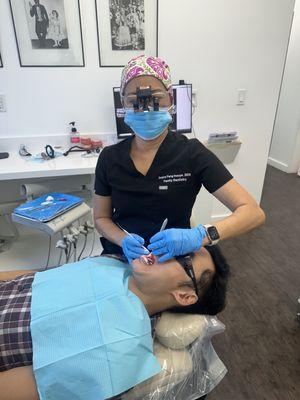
(261, 346)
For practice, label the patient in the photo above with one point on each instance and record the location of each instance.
(194, 284)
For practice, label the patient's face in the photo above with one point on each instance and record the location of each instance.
(161, 277)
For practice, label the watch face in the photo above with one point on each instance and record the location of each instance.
(213, 233)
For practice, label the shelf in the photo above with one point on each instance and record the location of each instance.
(226, 152)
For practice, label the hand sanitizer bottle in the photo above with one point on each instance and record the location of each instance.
(75, 136)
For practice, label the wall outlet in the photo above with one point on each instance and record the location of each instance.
(2, 103)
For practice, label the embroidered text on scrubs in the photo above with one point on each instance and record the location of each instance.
(175, 177)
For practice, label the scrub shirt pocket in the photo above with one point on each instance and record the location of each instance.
(176, 201)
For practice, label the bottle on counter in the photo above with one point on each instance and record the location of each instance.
(74, 134)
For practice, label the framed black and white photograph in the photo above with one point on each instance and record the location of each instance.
(126, 28)
(48, 32)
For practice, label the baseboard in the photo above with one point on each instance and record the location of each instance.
(278, 164)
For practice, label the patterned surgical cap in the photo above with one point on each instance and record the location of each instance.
(149, 66)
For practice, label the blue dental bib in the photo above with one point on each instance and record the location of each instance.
(91, 336)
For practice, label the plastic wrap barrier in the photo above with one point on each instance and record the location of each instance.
(190, 366)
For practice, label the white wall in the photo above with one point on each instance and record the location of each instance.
(227, 45)
(285, 148)
(219, 46)
(46, 99)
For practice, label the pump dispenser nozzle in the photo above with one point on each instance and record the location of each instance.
(73, 129)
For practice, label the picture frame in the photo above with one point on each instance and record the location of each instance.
(126, 29)
(48, 33)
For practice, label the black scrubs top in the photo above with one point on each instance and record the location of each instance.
(141, 203)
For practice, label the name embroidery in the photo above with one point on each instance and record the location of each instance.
(171, 178)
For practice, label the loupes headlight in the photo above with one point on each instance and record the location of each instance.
(147, 101)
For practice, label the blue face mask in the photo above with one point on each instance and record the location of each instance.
(148, 125)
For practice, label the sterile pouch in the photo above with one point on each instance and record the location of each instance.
(190, 366)
(48, 206)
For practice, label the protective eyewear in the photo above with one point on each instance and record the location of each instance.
(147, 101)
(187, 265)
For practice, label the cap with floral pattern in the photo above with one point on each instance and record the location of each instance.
(149, 66)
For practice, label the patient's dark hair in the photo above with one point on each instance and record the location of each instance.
(212, 287)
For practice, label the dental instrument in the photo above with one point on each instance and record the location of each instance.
(127, 233)
(146, 259)
(164, 224)
(150, 259)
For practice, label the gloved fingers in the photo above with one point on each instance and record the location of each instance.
(165, 257)
(136, 252)
(138, 249)
(157, 245)
(133, 238)
(158, 236)
(138, 238)
(132, 248)
(161, 251)
(134, 243)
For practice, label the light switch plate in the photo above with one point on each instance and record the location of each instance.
(241, 99)
(2, 103)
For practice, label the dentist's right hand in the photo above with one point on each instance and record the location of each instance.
(133, 247)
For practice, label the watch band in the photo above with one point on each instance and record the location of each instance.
(216, 238)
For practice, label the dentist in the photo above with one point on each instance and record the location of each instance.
(157, 174)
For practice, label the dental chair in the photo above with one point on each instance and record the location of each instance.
(190, 366)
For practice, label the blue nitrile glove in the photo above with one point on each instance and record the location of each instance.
(132, 247)
(176, 242)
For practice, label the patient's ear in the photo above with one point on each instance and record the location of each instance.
(184, 297)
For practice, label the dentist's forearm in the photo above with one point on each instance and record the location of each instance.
(107, 228)
(244, 219)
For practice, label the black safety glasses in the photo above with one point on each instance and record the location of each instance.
(187, 265)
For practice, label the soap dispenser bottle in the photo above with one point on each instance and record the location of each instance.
(75, 137)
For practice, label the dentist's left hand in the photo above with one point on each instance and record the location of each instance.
(133, 247)
(176, 242)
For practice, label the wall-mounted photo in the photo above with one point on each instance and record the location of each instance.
(48, 32)
(47, 26)
(125, 28)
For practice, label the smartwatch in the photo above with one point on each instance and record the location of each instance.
(212, 234)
